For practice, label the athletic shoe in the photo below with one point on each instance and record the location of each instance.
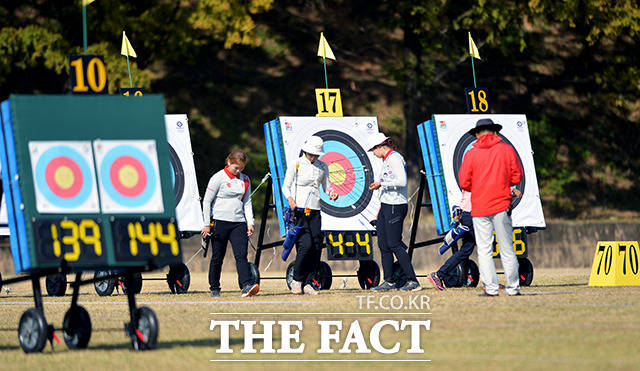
(308, 289)
(296, 287)
(435, 281)
(250, 290)
(516, 294)
(486, 294)
(411, 286)
(215, 293)
(385, 286)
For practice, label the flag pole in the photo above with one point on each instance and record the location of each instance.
(129, 67)
(474, 73)
(84, 27)
(326, 82)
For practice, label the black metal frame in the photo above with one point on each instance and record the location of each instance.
(35, 277)
(263, 225)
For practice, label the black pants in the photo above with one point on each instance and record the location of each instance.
(308, 248)
(223, 232)
(468, 242)
(389, 228)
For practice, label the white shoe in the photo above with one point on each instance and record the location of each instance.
(309, 290)
(296, 287)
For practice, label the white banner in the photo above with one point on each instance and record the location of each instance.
(454, 142)
(183, 171)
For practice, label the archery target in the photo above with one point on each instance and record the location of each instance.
(351, 167)
(454, 141)
(128, 175)
(63, 176)
(183, 173)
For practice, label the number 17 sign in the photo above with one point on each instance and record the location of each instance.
(329, 102)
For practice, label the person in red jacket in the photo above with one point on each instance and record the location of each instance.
(488, 171)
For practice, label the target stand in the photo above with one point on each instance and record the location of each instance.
(368, 274)
(443, 141)
(86, 198)
(346, 222)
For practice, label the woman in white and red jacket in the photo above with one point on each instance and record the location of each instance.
(229, 190)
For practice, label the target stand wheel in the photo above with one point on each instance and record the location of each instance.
(368, 274)
(104, 287)
(135, 284)
(254, 273)
(56, 284)
(473, 274)
(457, 276)
(32, 331)
(525, 271)
(76, 327)
(179, 278)
(144, 334)
(323, 277)
(398, 276)
(289, 276)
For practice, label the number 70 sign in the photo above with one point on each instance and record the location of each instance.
(329, 102)
(616, 263)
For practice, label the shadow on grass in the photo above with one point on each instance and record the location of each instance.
(163, 344)
(560, 285)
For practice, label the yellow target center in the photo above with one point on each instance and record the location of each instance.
(128, 176)
(337, 174)
(64, 177)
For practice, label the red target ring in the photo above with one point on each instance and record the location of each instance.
(341, 174)
(64, 177)
(128, 176)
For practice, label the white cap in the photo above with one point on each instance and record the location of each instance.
(313, 145)
(376, 139)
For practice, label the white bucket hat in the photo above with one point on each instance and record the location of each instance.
(376, 139)
(313, 146)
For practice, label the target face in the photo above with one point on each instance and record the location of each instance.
(350, 174)
(465, 144)
(128, 175)
(454, 141)
(351, 167)
(183, 173)
(64, 177)
(177, 175)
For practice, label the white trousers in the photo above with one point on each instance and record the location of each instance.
(483, 227)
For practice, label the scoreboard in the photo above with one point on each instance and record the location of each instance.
(87, 182)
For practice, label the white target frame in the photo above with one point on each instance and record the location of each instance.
(42, 154)
(189, 207)
(150, 200)
(451, 130)
(295, 130)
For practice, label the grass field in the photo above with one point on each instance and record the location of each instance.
(560, 324)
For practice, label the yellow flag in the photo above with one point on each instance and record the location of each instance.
(473, 50)
(87, 2)
(324, 50)
(127, 49)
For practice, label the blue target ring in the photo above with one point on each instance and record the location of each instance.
(105, 179)
(356, 168)
(359, 182)
(41, 180)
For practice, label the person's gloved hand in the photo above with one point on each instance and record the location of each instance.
(456, 213)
